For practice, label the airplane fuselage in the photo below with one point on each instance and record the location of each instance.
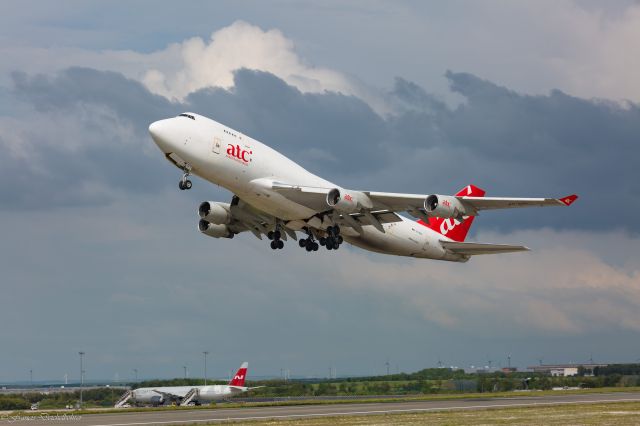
(167, 394)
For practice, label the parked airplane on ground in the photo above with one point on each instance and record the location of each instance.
(276, 197)
(188, 395)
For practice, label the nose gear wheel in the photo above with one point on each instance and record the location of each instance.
(185, 183)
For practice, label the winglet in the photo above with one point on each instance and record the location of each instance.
(568, 200)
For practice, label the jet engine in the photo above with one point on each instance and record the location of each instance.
(346, 201)
(446, 206)
(214, 212)
(214, 230)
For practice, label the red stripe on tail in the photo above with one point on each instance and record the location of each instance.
(453, 228)
(238, 379)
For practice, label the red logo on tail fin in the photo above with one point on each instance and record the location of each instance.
(453, 228)
(241, 374)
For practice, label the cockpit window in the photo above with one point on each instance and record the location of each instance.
(187, 115)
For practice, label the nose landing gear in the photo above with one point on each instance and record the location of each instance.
(185, 183)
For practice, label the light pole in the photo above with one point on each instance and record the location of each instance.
(81, 376)
(205, 353)
(184, 367)
(31, 377)
(135, 371)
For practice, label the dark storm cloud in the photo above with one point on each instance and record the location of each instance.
(79, 86)
(512, 144)
(84, 134)
(268, 109)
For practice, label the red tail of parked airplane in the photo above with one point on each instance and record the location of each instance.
(238, 379)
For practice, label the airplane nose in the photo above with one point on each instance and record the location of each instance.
(155, 129)
(159, 134)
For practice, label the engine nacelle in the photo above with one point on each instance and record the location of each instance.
(346, 201)
(446, 206)
(214, 230)
(214, 212)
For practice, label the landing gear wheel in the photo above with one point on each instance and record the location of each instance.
(329, 244)
(185, 183)
(309, 247)
(270, 235)
(315, 246)
(302, 243)
(322, 241)
(280, 244)
(339, 239)
(274, 245)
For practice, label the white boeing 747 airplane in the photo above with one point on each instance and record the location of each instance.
(276, 197)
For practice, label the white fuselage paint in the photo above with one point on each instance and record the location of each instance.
(250, 167)
(206, 394)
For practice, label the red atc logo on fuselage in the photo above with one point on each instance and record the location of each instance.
(242, 155)
(348, 197)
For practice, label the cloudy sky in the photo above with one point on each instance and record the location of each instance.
(100, 251)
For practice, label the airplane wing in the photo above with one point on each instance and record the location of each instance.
(472, 249)
(414, 204)
(406, 202)
(244, 388)
(169, 395)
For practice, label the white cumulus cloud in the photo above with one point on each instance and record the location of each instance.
(211, 63)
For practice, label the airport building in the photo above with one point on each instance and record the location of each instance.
(565, 369)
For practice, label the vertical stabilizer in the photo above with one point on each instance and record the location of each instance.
(238, 379)
(453, 228)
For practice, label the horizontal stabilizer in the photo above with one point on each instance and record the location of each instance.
(472, 249)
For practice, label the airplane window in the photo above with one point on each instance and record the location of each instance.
(187, 115)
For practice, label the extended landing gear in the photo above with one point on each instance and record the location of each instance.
(276, 242)
(333, 239)
(185, 183)
(309, 243)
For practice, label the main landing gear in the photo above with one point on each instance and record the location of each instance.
(309, 243)
(185, 183)
(274, 236)
(333, 239)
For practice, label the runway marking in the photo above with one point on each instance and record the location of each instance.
(354, 413)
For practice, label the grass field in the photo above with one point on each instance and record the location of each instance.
(622, 413)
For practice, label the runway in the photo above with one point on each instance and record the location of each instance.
(291, 412)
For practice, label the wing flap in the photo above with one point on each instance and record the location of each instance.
(472, 249)
(313, 197)
(383, 216)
